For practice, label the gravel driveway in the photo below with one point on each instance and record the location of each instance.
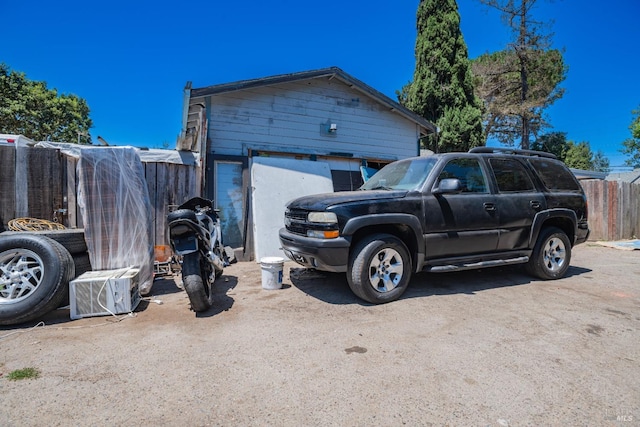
(487, 347)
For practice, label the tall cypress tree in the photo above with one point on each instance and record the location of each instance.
(442, 86)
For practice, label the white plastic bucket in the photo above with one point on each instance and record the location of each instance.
(272, 272)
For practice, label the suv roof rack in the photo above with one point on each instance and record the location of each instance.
(512, 151)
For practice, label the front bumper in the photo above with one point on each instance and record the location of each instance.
(321, 254)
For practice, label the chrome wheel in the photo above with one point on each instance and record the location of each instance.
(551, 255)
(21, 272)
(554, 254)
(386, 270)
(34, 277)
(379, 268)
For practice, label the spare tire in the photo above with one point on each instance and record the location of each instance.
(82, 263)
(71, 238)
(34, 277)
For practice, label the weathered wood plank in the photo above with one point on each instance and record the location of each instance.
(635, 210)
(69, 193)
(162, 202)
(7, 183)
(614, 209)
(152, 187)
(593, 190)
(74, 219)
(44, 175)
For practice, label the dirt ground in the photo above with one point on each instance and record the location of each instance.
(487, 347)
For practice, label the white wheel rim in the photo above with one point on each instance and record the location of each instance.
(554, 255)
(386, 270)
(21, 272)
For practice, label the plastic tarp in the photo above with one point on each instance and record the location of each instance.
(116, 211)
(627, 245)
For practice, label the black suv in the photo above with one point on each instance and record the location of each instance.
(446, 212)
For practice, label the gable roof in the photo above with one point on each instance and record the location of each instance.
(327, 73)
(630, 176)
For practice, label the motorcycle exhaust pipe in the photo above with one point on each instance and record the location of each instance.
(218, 264)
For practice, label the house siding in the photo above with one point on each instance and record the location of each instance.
(291, 117)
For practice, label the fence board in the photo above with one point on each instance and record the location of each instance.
(162, 202)
(614, 209)
(7, 183)
(594, 198)
(150, 177)
(44, 173)
(73, 219)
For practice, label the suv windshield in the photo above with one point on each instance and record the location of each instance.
(407, 174)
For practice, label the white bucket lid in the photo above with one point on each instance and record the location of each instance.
(271, 260)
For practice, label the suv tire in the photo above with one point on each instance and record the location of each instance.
(379, 268)
(551, 255)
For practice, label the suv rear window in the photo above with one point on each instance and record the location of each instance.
(554, 175)
(511, 175)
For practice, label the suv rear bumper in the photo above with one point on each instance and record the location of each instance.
(583, 233)
(321, 254)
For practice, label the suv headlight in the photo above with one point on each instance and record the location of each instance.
(322, 217)
(327, 221)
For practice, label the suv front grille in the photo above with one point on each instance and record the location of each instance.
(296, 221)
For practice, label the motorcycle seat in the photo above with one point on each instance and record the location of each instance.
(182, 214)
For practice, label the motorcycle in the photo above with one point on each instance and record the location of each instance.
(194, 234)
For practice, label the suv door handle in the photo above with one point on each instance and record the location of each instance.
(490, 207)
(535, 204)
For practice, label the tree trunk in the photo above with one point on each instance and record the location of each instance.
(522, 54)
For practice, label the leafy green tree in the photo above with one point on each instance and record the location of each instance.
(554, 143)
(632, 145)
(442, 86)
(578, 155)
(519, 83)
(29, 108)
(575, 155)
(600, 162)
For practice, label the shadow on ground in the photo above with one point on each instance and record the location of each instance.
(221, 301)
(162, 286)
(334, 289)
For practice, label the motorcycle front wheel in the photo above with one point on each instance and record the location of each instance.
(194, 278)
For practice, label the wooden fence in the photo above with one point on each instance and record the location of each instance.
(614, 209)
(45, 186)
(48, 180)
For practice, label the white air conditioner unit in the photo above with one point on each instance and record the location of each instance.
(100, 293)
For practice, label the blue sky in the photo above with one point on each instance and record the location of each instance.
(131, 59)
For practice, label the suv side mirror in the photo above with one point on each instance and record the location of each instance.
(448, 186)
